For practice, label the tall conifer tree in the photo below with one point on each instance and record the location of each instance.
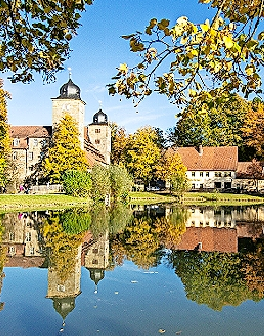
(65, 152)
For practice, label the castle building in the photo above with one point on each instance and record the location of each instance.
(29, 142)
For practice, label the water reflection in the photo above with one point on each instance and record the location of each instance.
(216, 252)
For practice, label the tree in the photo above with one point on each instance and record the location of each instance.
(253, 128)
(119, 143)
(101, 184)
(121, 181)
(76, 183)
(35, 36)
(254, 171)
(65, 152)
(221, 125)
(225, 52)
(143, 153)
(4, 135)
(172, 170)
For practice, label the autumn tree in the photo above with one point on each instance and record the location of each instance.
(35, 36)
(253, 128)
(65, 152)
(255, 171)
(4, 135)
(143, 153)
(61, 247)
(224, 53)
(221, 125)
(171, 169)
(121, 181)
(119, 142)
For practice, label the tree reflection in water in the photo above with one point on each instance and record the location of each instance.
(147, 238)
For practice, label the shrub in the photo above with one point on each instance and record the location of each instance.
(76, 183)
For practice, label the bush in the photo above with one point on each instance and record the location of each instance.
(121, 181)
(100, 182)
(76, 183)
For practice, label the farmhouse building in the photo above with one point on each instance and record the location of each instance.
(209, 167)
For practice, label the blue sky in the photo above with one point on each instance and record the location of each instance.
(97, 52)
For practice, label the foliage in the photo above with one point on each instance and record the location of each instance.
(35, 36)
(141, 243)
(221, 125)
(100, 218)
(4, 135)
(101, 183)
(225, 52)
(253, 269)
(65, 152)
(121, 181)
(143, 153)
(253, 129)
(119, 142)
(219, 273)
(171, 169)
(76, 183)
(61, 247)
(75, 221)
(169, 232)
(120, 216)
(254, 170)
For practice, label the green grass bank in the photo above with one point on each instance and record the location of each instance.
(50, 201)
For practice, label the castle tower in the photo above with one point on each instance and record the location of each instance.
(69, 102)
(100, 134)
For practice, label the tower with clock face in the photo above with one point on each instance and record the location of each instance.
(69, 102)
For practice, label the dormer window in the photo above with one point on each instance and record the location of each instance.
(16, 142)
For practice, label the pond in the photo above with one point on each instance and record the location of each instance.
(133, 271)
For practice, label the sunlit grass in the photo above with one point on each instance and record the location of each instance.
(18, 201)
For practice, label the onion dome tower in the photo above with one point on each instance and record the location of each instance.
(100, 133)
(69, 102)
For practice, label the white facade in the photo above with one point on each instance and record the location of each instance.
(211, 179)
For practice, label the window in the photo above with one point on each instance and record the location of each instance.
(97, 141)
(16, 142)
(35, 142)
(97, 130)
(193, 174)
(207, 174)
(95, 250)
(15, 155)
(32, 250)
(30, 156)
(201, 186)
(11, 236)
(95, 262)
(218, 174)
(193, 186)
(11, 250)
(201, 174)
(28, 236)
(61, 288)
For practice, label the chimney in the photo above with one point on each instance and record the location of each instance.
(200, 150)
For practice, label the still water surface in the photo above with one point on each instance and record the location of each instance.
(133, 271)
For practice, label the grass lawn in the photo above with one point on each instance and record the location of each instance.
(24, 201)
(196, 197)
(145, 197)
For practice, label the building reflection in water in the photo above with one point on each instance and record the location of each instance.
(207, 229)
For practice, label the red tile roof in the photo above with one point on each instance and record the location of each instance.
(30, 131)
(212, 239)
(210, 158)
